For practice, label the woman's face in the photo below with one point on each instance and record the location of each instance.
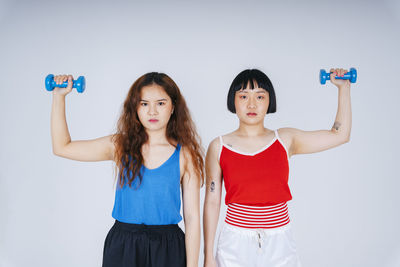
(155, 108)
(251, 105)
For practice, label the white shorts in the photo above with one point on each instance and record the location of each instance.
(243, 247)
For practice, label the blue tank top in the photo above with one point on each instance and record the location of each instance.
(156, 201)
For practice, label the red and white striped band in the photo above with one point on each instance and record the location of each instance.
(257, 216)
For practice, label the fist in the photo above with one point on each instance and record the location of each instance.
(339, 73)
(60, 79)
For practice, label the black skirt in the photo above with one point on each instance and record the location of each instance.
(139, 245)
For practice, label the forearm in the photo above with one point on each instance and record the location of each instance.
(210, 220)
(192, 240)
(342, 125)
(59, 129)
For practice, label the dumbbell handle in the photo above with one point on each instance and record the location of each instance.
(79, 83)
(345, 76)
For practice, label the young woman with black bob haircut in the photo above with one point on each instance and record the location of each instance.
(157, 151)
(253, 162)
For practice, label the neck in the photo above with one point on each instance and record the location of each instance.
(157, 137)
(251, 130)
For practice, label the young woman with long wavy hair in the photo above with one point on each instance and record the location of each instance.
(157, 152)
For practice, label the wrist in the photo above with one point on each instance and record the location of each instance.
(345, 86)
(58, 97)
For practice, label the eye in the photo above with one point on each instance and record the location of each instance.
(143, 104)
(260, 97)
(243, 96)
(161, 103)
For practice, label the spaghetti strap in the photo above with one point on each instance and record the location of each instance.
(276, 133)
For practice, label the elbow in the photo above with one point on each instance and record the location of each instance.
(346, 139)
(60, 149)
(57, 151)
(342, 137)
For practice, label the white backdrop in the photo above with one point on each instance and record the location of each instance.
(57, 212)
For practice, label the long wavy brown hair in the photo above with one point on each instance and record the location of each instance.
(131, 135)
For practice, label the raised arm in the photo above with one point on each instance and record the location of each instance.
(191, 210)
(303, 142)
(90, 150)
(212, 203)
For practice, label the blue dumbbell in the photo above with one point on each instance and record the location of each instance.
(79, 84)
(351, 75)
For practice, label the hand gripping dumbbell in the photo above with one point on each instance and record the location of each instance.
(79, 84)
(351, 75)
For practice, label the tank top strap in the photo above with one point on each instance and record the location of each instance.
(276, 134)
(178, 147)
(176, 155)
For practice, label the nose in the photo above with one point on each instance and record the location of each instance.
(252, 103)
(153, 109)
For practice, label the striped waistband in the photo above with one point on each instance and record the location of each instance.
(264, 217)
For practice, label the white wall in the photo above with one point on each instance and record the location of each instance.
(56, 212)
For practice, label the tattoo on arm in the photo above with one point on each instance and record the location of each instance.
(336, 125)
(212, 186)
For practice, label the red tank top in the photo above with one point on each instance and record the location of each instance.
(259, 178)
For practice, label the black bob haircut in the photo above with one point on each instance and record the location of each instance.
(251, 77)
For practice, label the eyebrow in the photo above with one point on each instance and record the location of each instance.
(259, 91)
(163, 99)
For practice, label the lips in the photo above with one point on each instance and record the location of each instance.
(251, 114)
(153, 120)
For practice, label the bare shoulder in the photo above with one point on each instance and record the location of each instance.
(229, 137)
(214, 144)
(185, 160)
(110, 139)
(185, 152)
(286, 132)
(109, 143)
